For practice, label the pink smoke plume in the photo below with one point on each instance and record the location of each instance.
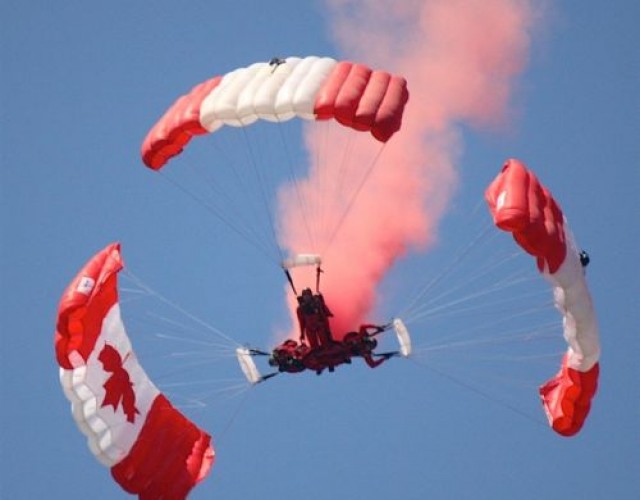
(461, 59)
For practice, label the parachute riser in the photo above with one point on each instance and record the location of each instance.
(381, 329)
(290, 280)
(302, 260)
(267, 377)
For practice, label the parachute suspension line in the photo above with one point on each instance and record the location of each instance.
(482, 394)
(200, 401)
(507, 282)
(185, 369)
(221, 436)
(480, 207)
(225, 199)
(244, 234)
(542, 332)
(176, 331)
(455, 289)
(181, 310)
(196, 356)
(320, 175)
(331, 187)
(353, 197)
(410, 308)
(319, 207)
(294, 179)
(263, 194)
(224, 348)
(347, 151)
(447, 310)
(504, 282)
(230, 390)
(484, 335)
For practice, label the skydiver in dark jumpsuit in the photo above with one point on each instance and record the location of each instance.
(313, 316)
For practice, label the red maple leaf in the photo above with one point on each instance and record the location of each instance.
(118, 387)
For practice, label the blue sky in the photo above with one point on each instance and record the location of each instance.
(81, 84)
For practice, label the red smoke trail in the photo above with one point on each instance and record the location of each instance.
(461, 59)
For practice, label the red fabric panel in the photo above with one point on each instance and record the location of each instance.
(175, 129)
(170, 456)
(362, 99)
(389, 115)
(567, 398)
(324, 106)
(350, 94)
(530, 213)
(80, 315)
(513, 215)
(365, 115)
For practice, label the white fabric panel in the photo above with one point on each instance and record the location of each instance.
(227, 96)
(573, 300)
(270, 92)
(283, 105)
(267, 95)
(305, 94)
(109, 433)
(218, 100)
(245, 110)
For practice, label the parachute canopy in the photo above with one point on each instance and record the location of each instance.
(522, 206)
(151, 448)
(404, 340)
(312, 88)
(302, 259)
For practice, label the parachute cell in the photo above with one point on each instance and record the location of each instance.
(151, 448)
(312, 88)
(522, 206)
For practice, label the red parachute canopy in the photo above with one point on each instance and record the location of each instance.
(522, 206)
(312, 88)
(152, 449)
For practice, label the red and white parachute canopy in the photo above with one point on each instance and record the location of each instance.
(522, 206)
(313, 88)
(152, 449)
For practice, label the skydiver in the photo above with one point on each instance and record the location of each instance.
(362, 344)
(286, 357)
(313, 316)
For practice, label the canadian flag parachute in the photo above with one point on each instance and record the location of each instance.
(522, 206)
(151, 448)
